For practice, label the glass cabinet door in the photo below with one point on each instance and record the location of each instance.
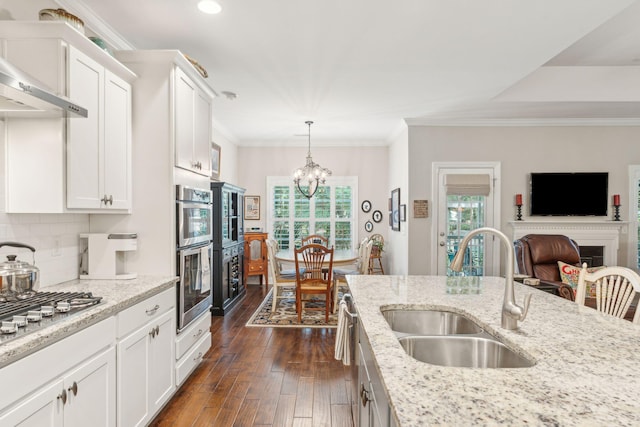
(226, 209)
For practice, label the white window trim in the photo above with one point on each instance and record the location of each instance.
(632, 249)
(333, 181)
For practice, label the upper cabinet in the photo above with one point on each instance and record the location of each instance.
(192, 125)
(98, 147)
(60, 165)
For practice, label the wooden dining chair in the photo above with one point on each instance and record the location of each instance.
(360, 267)
(279, 279)
(314, 268)
(315, 238)
(615, 289)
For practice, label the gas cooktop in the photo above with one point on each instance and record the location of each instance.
(24, 314)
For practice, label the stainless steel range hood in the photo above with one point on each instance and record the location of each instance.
(23, 96)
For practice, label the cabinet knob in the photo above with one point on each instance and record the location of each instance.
(110, 199)
(364, 395)
(74, 388)
(63, 396)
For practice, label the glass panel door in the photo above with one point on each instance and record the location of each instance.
(465, 213)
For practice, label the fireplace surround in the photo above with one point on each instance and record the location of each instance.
(586, 233)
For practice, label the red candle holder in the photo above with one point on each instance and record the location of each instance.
(519, 206)
(616, 207)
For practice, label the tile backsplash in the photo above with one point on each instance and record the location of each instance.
(55, 238)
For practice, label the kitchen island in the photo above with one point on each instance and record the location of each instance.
(585, 371)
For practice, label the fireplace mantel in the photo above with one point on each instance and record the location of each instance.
(585, 233)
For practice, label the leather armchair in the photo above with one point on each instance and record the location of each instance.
(537, 255)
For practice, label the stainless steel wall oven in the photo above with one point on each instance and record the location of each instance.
(194, 253)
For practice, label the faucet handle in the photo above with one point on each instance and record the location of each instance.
(525, 309)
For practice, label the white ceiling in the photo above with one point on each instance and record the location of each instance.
(357, 68)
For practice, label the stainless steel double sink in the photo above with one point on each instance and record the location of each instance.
(450, 339)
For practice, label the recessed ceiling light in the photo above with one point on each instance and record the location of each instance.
(209, 6)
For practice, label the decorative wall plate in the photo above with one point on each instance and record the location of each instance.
(377, 216)
(366, 206)
(368, 226)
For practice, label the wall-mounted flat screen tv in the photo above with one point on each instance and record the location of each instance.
(569, 194)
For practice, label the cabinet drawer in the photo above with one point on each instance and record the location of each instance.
(256, 268)
(192, 334)
(192, 359)
(135, 317)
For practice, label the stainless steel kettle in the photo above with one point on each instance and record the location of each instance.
(18, 277)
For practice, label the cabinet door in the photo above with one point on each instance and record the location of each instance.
(85, 136)
(117, 142)
(145, 379)
(162, 360)
(202, 137)
(91, 392)
(185, 95)
(42, 409)
(133, 378)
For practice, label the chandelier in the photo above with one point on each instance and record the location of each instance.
(312, 173)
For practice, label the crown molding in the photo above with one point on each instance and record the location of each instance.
(524, 122)
(96, 24)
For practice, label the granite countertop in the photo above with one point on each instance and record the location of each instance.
(586, 361)
(117, 295)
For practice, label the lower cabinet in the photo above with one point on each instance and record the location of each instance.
(228, 278)
(374, 406)
(83, 395)
(142, 392)
(191, 346)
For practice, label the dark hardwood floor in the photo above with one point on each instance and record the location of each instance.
(263, 377)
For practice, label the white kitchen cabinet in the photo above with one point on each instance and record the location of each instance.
(191, 346)
(75, 391)
(192, 125)
(146, 358)
(58, 165)
(374, 406)
(98, 147)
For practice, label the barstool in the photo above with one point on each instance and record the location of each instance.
(376, 255)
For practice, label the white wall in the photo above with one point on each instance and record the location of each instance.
(228, 156)
(521, 150)
(397, 246)
(369, 164)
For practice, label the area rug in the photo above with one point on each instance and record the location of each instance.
(285, 315)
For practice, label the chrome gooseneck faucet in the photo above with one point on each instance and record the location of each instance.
(511, 312)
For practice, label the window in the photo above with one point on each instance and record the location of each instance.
(330, 212)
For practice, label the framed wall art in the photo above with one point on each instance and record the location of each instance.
(215, 161)
(252, 207)
(395, 209)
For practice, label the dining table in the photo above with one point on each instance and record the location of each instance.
(340, 258)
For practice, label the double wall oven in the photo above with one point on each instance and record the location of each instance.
(194, 252)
